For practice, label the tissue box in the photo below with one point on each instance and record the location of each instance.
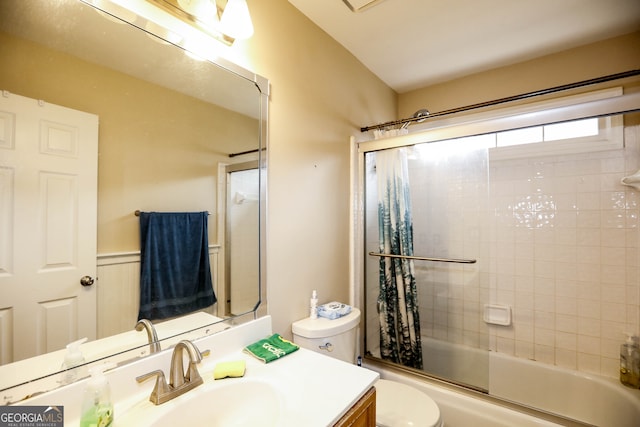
(333, 310)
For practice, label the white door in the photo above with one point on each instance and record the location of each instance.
(48, 209)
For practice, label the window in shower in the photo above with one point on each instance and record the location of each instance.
(538, 134)
(569, 137)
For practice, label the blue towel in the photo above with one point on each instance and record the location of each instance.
(175, 276)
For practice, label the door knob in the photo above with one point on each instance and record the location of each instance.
(86, 280)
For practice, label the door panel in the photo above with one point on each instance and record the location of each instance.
(6, 219)
(58, 200)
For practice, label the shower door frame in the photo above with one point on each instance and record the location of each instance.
(225, 232)
(445, 129)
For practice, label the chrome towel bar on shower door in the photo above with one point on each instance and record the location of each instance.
(420, 258)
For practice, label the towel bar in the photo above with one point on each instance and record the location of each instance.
(137, 213)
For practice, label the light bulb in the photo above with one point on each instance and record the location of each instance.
(236, 21)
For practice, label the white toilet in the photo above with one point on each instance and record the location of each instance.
(397, 405)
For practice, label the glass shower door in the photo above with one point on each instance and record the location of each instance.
(241, 231)
(448, 190)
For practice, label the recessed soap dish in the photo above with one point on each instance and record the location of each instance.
(497, 314)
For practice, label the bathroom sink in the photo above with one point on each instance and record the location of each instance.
(229, 402)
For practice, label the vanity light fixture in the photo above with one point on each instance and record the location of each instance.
(224, 20)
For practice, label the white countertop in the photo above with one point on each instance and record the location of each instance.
(316, 390)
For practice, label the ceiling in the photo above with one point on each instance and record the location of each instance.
(411, 44)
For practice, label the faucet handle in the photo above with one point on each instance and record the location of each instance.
(160, 390)
(204, 353)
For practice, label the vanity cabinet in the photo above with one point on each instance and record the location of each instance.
(362, 414)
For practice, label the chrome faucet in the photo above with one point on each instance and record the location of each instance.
(177, 375)
(179, 381)
(152, 336)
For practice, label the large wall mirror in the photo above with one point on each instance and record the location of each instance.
(174, 133)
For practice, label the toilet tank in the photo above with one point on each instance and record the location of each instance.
(336, 338)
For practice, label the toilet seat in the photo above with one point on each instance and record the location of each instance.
(400, 405)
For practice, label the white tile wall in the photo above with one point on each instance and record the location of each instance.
(571, 232)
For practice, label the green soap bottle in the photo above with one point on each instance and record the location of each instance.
(97, 407)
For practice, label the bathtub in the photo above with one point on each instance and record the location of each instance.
(561, 397)
(589, 398)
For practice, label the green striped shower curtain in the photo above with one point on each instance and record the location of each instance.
(398, 299)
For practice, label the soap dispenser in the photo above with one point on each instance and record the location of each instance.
(630, 362)
(313, 305)
(97, 407)
(72, 358)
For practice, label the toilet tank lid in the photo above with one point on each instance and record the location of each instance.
(322, 327)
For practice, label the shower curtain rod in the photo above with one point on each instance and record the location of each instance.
(409, 120)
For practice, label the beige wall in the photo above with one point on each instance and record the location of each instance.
(151, 155)
(320, 95)
(587, 62)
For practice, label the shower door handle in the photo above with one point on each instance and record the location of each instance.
(422, 258)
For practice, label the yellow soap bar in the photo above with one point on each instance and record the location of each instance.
(229, 369)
